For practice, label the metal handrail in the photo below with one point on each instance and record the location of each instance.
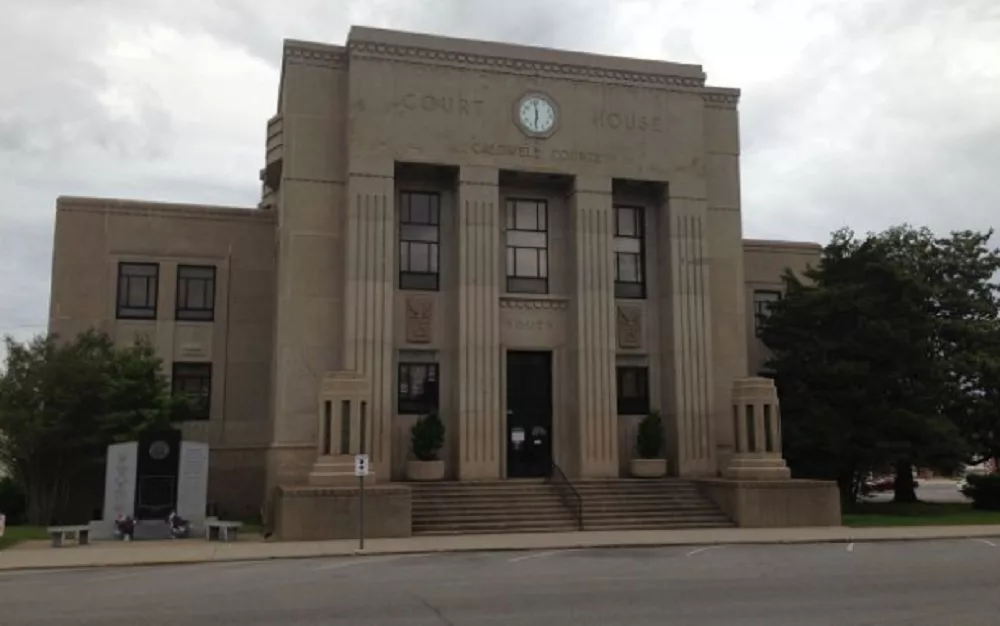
(567, 493)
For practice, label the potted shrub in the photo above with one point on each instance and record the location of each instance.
(426, 439)
(649, 445)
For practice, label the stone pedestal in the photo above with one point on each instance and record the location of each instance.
(307, 513)
(757, 432)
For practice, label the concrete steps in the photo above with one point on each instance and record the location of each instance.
(488, 507)
(535, 506)
(632, 504)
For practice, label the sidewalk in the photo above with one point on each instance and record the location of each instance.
(197, 551)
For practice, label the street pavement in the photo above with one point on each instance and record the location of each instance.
(951, 582)
(932, 490)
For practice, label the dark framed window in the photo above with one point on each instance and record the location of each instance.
(138, 285)
(195, 293)
(630, 254)
(419, 240)
(194, 382)
(527, 235)
(418, 388)
(633, 390)
(762, 301)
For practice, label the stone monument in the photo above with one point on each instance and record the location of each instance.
(149, 478)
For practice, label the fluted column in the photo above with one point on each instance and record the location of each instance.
(757, 426)
(370, 261)
(480, 424)
(686, 300)
(593, 321)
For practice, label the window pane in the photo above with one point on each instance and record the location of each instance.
(432, 251)
(526, 262)
(418, 232)
(419, 257)
(404, 256)
(134, 269)
(510, 261)
(509, 215)
(195, 294)
(628, 268)
(526, 216)
(193, 272)
(543, 217)
(626, 222)
(419, 209)
(628, 244)
(137, 291)
(543, 263)
(524, 239)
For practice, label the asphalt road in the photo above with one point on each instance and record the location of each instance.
(935, 490)
(913, 583)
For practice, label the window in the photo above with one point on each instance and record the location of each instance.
(194, 381)
(137, 290)
(630, 274)
(633, 390)
(195, 293)
(419, 240)
(527, 246)
(762, 301)
(418, 388)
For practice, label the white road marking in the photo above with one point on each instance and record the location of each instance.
(374, 559)
(850, 547)
(700, 550)
(537, 555)
(987, 542)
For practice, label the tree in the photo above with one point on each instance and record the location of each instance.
(862, 356)
(63, 402)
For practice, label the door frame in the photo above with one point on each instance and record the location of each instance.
(552, 358)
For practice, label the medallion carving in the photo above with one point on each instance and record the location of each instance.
(629, 327)
(419, 320)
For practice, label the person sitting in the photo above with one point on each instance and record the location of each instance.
(179, 527)
(125, 527)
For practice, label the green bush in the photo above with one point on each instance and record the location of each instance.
(427, 437)
(984, 491)
(649, 438)
(13, 502)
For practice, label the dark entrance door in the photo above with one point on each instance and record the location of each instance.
(529, 414)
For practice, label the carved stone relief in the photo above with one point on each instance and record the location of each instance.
(629, 327)
(419, 320)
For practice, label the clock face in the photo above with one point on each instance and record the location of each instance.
(536, 114)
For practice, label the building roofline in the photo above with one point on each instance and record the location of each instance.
(778, 244)
(149, 208)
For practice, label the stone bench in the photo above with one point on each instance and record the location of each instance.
(60, 534)
(217, 530)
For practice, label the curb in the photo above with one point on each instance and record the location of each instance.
(214, 557)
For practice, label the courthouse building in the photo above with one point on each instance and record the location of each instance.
(542, 246)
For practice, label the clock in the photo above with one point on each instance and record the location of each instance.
(536, 115)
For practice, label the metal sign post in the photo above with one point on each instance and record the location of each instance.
(361, 470)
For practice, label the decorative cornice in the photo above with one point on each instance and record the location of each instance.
(721, 98)
(533, 304)
(315, 54)
(430, 56)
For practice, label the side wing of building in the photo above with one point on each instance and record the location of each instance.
(198, 282)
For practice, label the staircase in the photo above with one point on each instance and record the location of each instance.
(634, 504)
(522, 506)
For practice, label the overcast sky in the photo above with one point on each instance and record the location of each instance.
(865, 113)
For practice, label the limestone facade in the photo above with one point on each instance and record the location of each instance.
(541, 245)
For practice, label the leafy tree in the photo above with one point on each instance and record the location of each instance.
(63, 402)
(881, 355)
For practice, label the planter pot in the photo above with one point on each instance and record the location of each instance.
(648, 468)
(423, 471)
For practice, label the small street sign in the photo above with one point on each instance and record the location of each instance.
(360, 465)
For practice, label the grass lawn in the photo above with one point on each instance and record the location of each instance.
(917, 514)
(17, 534)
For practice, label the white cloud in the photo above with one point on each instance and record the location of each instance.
(863, 113)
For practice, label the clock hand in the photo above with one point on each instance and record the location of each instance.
(536, 115)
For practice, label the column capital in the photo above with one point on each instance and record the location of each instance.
(478, 175)
(592, 184)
